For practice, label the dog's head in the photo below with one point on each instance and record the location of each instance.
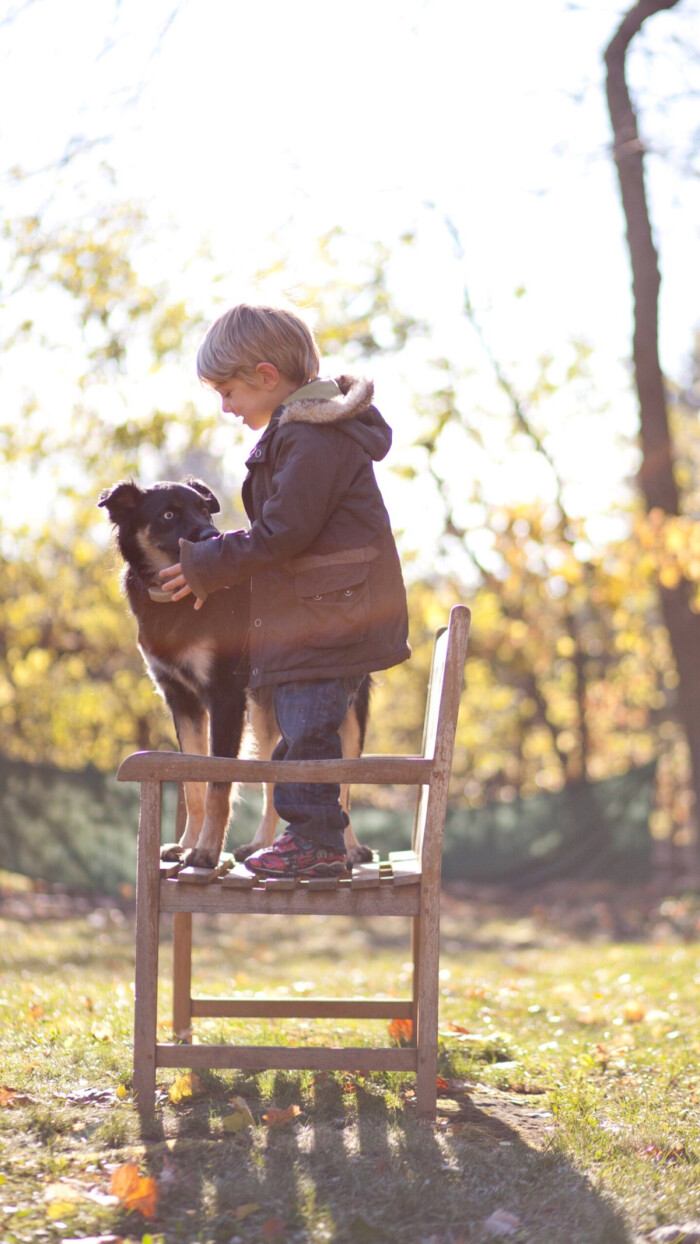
(150, 522)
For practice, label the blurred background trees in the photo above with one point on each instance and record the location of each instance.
(571, 673)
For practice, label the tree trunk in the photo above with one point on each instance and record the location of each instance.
(656, 475)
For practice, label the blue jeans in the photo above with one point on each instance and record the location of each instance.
(309, 716)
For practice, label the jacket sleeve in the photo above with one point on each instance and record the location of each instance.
(305, 486)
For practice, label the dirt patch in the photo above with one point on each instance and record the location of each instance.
(488, 1116)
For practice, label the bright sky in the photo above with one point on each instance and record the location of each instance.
(237, 122)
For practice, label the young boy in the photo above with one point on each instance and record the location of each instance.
(328, 603)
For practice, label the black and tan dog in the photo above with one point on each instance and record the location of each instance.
(198, 661)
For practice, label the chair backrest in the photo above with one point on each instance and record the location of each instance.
(444, 692)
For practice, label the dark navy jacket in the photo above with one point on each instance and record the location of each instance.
(327, 595)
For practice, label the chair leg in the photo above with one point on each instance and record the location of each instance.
(147, 923)
(415, 955)
(182, 975)
(428, 966)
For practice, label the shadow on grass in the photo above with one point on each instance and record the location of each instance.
(357, 1166)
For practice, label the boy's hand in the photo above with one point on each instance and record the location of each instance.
(174, 581)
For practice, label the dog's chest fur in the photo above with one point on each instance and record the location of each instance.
(191, 666)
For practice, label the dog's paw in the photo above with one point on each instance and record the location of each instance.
(359, 855)
(197, 857)
(171, 851)
(242, 852)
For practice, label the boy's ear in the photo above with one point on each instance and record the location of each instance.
(204, 491)
(120, 500)
(268, 375)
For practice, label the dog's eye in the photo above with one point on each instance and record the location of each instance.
(168, 514)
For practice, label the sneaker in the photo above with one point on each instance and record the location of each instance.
(297, 857)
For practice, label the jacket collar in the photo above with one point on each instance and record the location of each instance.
(328, 401)
(320, 401)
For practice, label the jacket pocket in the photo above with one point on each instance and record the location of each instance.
(336, 603)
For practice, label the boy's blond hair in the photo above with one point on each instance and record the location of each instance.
(245, 336)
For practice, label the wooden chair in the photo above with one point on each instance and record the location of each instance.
(408, 884)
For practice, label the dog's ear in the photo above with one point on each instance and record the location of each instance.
(121, 500)
(204, 491)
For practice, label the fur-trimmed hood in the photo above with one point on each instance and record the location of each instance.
(346, 401)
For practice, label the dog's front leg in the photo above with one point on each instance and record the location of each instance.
(226, 719)
(351, 743)
(192, 737)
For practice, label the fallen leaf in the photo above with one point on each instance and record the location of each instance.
(134, 1190)
(501, 1222)
(272, 1228)
(633, 1012)
(187, 1085)
(122, 1092)
(35, 1011)
(457, 1028)
(442, 1085)
(244, 1210)
(277, 1118)
(401, 1031)
(61, 1209)
(234, 1122)
(240, 1119)
(102, 1032)
(11, 1097)
(665, 1156)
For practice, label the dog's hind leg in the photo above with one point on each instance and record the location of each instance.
(263, 727)
(351, 742)
(226, 718)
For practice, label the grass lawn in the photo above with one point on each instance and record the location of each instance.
(569, 1072)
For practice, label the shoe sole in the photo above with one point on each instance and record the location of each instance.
(329, 870)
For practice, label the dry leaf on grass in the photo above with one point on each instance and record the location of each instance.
(188, 1085)
(65, 1195)
(134, 1190)
(272, 1228)
(633, 1012)
(11, 1097)
(401, 1031)
(274, 1117)
(241, 1117)
(244, 1211)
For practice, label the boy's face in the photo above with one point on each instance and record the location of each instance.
(253, 403)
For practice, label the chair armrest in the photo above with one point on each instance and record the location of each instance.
(180, 767)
